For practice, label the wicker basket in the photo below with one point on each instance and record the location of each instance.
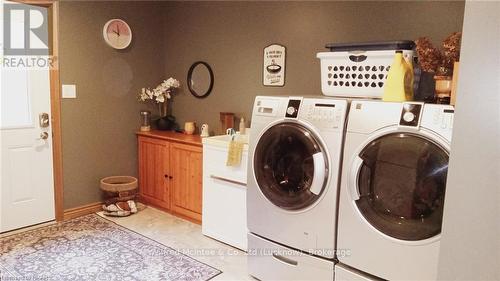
(119, 188)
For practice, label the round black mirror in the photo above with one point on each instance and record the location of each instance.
(200, 79)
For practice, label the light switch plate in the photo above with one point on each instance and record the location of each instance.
(69, 91)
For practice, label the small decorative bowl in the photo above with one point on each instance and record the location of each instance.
(273, 68)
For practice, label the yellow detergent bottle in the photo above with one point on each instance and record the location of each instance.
(409, 62)
(398, 86)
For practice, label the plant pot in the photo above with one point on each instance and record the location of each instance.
(426, 87)
(443, 89)
(165, 123)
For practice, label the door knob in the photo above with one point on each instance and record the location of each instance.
(43, 136)
(43, 119)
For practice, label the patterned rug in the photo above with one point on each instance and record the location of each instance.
(93, 248)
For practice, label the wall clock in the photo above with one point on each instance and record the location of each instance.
(117, 34)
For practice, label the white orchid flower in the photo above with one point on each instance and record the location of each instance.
(172, 83)
(160, 98)
(142, 95)
(158, 92)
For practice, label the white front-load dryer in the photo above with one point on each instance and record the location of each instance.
(393, 186)
(295, 149)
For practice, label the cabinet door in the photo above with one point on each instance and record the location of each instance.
(186, 164)
(154, 171)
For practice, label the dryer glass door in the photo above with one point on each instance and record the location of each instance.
(290, 166)
(401, 184)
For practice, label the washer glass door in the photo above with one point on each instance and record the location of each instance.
(290, 166)
(401, 184)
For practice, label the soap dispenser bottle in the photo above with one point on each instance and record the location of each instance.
(398, 86)
(242, 126)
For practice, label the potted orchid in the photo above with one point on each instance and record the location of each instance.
(160, 95)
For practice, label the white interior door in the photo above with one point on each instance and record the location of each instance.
(27, 185)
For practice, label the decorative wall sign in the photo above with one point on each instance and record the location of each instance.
(274, 65)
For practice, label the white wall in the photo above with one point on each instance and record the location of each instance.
(470, 242)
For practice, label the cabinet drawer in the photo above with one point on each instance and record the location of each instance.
(343, 273)
(214, 164)
(270, 261)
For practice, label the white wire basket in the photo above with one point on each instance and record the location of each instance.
(356, 73)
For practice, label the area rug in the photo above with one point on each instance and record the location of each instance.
(94, 248)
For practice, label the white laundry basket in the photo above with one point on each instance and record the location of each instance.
(360, 69)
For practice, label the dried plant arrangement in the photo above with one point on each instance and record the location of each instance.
(429, 57)
(434, 60)
(451, 49)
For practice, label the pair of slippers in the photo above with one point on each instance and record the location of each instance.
(120, 209)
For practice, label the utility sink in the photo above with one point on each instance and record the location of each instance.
(224, 192)
(223, 140)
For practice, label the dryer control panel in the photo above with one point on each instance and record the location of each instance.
(322, 113)
(410, 114)
(439, 118)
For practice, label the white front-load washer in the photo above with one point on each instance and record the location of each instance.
(393, 187)
(294, 157)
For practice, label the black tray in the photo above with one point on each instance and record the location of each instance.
(371, 46)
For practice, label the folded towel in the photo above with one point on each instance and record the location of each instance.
(234, 153)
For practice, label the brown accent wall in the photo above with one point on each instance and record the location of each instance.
(230, 36)
(98, 126)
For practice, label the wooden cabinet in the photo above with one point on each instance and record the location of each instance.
(187, 181)
(170, 172)
(154, 184)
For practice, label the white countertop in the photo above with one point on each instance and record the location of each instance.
(223, 140)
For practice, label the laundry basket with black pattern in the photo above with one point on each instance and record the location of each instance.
(359, 69)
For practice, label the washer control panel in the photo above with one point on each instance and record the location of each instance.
(323, 114)
(292, 109)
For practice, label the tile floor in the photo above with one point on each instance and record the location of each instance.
(187, 238)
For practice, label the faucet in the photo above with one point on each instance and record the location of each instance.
(230, 132)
